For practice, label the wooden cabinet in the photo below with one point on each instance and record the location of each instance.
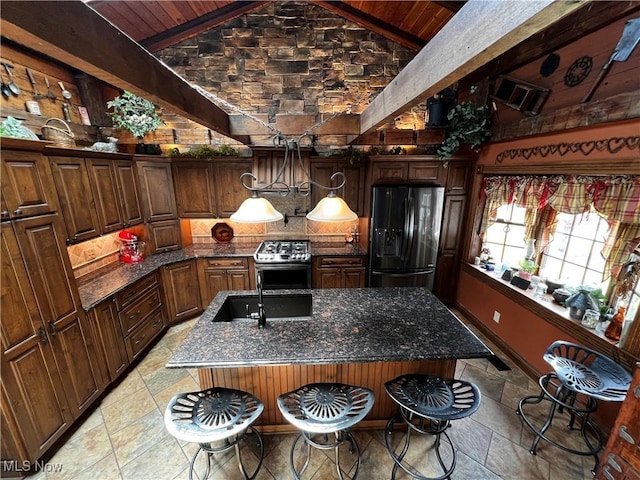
(339, 271)
(108, 339)
(404, 170)
(156, 185)
(267, 163)
(181, 291)
(27, 189)
(454, 214)
(217, 274)
(458, 178)
(163, 236)
(76, 199)
(353, 190)
(35, 412)
(115, 192)
(209, 189)
(45, 255)
(621, 457)
(141, 314)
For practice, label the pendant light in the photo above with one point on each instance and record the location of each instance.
(256, 209)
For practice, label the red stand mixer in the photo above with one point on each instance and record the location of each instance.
(131, 249)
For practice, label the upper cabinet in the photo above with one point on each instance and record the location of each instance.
(403, 169)
(210, 188)
(27, 189)
(98, 195)
(267, 163)
(156, 183)
(353, 190)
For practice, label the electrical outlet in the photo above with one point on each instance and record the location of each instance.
(496, 316)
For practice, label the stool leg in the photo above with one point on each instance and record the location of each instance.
(297, 474)
(193, 462)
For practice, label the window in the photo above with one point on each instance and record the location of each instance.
(573, 254)
(506, 237)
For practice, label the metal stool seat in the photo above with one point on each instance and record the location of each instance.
(427, 405)
(320, 409)
(576, 370)
(215, 415)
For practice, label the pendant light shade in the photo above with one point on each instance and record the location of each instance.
(332, 209)
(256, 209)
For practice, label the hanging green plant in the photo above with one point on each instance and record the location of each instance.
(469, 124)
(135, 114)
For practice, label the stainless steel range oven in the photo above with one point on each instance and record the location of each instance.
(284, 264)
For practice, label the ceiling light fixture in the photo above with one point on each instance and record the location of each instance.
(257, 209)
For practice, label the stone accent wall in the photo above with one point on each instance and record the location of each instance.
(290, 58)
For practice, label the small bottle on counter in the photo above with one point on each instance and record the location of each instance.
(615, 327)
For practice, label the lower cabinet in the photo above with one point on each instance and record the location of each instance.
(218, 274)
(181, 291)
(107, 333)
(339, 272)
(141, 314)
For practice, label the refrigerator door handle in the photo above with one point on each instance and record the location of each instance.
(406, 231)
(404, 274)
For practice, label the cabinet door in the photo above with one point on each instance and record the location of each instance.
(76, 199)
(26, 184)
(129, 192)
(449, 257)
(427, 172)
(458, 175)
(354, 277)
(181, 290)
(238, 280)
(156, 183)
(211, 282)
(45, 256)
(327, 278)
(195, 191)
(164, 236)
(382, 172)
(29, 373)
(109, 340)
(103, 180)
(229, 192)
(268, 163)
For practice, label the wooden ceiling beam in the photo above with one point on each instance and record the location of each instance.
(74, 34)
(374, 24)
(452, 6)
(193, 27)
(478, 33)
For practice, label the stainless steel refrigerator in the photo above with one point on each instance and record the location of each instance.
(405, 232)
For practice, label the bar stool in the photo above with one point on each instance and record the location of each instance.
(580, 377)
(322, 409)
(216, 415)
(427, 405)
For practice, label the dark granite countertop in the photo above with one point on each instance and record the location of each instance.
(347, 326)
(107, 281)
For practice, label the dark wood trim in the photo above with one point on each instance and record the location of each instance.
(452, 6)
(374, 24)
(193, 27)
(597, 166)
(564, 323)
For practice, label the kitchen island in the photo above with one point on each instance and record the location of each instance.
(359, 336)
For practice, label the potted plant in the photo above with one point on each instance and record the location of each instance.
(527, 268)
(469, 124)
(135, 114)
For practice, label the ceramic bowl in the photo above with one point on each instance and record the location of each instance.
(553, 285)
(560, 295)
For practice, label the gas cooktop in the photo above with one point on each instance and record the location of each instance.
(283, 251)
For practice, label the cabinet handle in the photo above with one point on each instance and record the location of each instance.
(43, 335)
(17, 211)
(52, 329)
(5, 213)
(611, 460)
(636, 392)
(134, 315)
(622, 432)
(607, 475)
(140, 339)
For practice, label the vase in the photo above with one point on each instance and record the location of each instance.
(531, 249)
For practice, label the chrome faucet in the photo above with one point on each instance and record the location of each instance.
(260, 315)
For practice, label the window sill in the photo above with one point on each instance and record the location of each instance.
(554, 314)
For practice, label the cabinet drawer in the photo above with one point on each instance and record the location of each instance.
(346, 261)
(226, 263)
(131, 293)
(139, 310)
(144, 334)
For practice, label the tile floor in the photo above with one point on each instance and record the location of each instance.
(125, 438)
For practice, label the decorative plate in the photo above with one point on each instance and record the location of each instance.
(222, 233)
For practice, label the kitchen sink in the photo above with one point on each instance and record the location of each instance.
(293, 306)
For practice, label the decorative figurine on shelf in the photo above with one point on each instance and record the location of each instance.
(580, 302)
(614, 330)
(108, 146)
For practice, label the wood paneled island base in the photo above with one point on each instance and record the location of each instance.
(268, 382)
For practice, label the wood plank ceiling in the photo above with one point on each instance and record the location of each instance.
(159, 24)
